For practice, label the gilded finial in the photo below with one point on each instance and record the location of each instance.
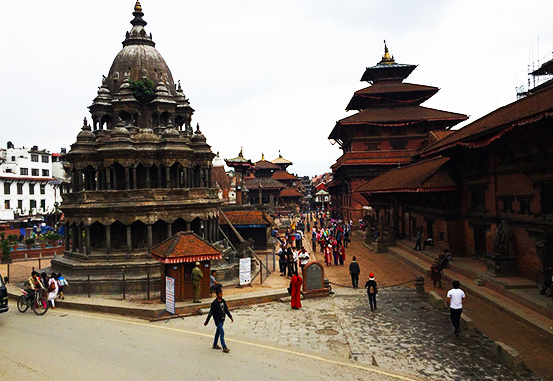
(240, 154)
(137, 6)
(262, 156)
(386, 58)
(279, 155)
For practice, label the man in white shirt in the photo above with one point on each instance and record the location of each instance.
(304, 258)
(455, 300)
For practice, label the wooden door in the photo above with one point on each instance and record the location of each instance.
(205, 266)
(175, 271)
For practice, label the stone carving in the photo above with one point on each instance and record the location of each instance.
(313, 277)
(116, 76)
(502, 241)
(370, 226)
(386, 238)
(245, 249)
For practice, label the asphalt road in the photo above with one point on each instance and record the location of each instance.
(66, 345)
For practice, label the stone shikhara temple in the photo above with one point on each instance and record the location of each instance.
(139, 173)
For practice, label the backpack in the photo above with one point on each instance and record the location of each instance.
(371, 290)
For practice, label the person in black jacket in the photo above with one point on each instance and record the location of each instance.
(218, 310)
(354, 271)
(372, 290)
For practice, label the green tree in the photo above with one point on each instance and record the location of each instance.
(143, 90)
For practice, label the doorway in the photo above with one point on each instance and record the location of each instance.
(479, 232)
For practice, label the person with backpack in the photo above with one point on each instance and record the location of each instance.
(53, 289)
(372, 290)
(61, 283)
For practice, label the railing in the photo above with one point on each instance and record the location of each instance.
(268, 266)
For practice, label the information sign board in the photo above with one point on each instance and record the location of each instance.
(170, 295)
(245, 271)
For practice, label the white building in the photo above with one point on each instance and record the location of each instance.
(27, 183)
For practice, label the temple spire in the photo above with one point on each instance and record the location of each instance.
(386, 58)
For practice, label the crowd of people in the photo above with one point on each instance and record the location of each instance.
(51, 286)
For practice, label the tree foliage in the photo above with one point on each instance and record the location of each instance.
(143, 90)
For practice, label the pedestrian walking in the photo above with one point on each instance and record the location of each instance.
(418, 243)
(196, 276)
(372, 290)
(354, 272)
(53, 289)
(213, 284)
(218, 310)
(62, 282)
(290, 261)
(295, 285)
(455, 300)
(436, 273)
(342, 255)
(282, 261)
(304, 258)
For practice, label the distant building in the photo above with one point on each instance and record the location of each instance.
(31, 181)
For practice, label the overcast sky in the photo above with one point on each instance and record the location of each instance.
(265, 75)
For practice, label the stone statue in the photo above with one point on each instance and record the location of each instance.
(245, 249)
(116, 76)
(502, 241)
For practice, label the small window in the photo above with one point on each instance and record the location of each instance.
(46, 172)
(7, 188)
(7, 204)
(24, 171)
(42, 188)
(32, 204)
(19, 188)
(54, 159)
(524, 205)
(34, 157)
(20, 204)
(9, 170)
(31, 188)
(43, 205)
(507, 204)
(45, 159)
(13, 158)
(34, 172)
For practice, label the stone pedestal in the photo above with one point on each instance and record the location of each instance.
(501, 265)
(313, 280)
(381, 245)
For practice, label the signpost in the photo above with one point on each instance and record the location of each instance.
(170, 295)
(245, 271)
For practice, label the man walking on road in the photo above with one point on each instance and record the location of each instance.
(455, 300)
(372, 290)
(354, 271)
(218, 310)
(196, 276)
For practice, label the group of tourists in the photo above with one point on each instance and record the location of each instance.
(332, 239)
(51, 285)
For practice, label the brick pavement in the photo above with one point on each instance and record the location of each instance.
(404, 335)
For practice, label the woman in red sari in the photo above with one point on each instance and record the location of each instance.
(328, 254)
(296, 283)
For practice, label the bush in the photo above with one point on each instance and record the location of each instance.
(12, 238)
(143, 90)
(30, 241)
(53, 237)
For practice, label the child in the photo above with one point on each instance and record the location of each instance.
(61, 282)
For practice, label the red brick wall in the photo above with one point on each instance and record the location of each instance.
(527, 259)
(36, 253)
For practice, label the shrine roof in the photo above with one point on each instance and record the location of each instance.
(264, 164)
(523, 111)
(266, 183)
(281, 160)
(246, 217)
(425, 176)
(374, 158)
(394, 87)
(185, 247)
(290, 192)
(391, 115)
(283, 175)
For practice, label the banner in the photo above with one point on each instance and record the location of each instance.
(170, 295)
(245, 271)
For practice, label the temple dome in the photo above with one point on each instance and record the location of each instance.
(139, 58)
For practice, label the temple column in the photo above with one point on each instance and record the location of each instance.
(207, 229)
(114, 179)
(80, 237)
(217, 229)
(167, 177)
(134, 181)
(159, 185)
(79, 180)
(129, 239)
(187, 223)
(150, 237)
(169, 230)
(127, 178)
(87, 238)
(67, 238)
(97, 169)
(108, 239)
(74, 238)
(108, 180)
(209, 177)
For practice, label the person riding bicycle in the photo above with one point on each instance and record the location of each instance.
(33, 284)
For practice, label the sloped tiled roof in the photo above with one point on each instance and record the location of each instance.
(425, 176)
(264, 164)
(290, 192)
(283, 175)
(266, 183)
(386, 115)
(246, 217)
(184, 247)
(525, 110)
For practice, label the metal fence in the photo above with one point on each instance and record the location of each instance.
(268, 265)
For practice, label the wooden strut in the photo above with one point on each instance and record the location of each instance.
(242, 239)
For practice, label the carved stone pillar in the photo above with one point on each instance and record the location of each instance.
(167, 177)
(150, 237)
(187, 223)
(148, 177)
(169, 230)
(108, 239)
(97, 178)
(127, 178)
(159, 185)
(115, 179)
(80, 238)
(129, 239)
(67, 238)
(108, 180)
(87, 237)
(134, 181)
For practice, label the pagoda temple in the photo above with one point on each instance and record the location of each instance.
(139, 174)
(389, 127)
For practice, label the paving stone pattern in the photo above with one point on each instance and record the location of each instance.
(403, 335)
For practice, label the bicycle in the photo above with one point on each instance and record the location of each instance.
(39, 305)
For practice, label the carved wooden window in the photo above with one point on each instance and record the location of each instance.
(507, 202)
(524, 205)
